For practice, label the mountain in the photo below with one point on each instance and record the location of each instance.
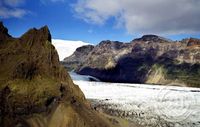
(77, 57)
(150, 59)
(35, 90)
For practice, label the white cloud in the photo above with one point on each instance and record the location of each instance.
(66, 48)
(11, 8)
(143, 16)
(14, 3)
(95, 11)
(8, 13)
(57, 0)
(53, 1)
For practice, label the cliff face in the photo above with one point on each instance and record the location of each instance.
(4, 33)
(35, 90)
(77, 57)
(149, 59)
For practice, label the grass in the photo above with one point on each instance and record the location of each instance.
(183, 72)
(32, 93)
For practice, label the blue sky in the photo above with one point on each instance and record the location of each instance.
(96, 20)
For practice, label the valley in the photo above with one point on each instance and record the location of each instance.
(146, 105)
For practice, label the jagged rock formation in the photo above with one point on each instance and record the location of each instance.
(152, 38)
(4, 33)
(35, 90)
(78, 56)
(149, 59)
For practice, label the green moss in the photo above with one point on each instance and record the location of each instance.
(35, 91)
(184, 72)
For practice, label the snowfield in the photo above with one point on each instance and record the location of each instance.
(148, 105)
(75, 77)
(66, 48)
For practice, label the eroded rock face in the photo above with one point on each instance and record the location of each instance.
(76, 59)
(152, 38)
(140, 60)
(3, 32)
(35, 90)
(191, 42)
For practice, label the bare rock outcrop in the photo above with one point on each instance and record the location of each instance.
(35, 90)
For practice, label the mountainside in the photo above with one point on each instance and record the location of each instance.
(149, 59)
(35, 90)
(77, 57)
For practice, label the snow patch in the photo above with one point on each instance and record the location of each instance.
(66, 48)
(77, 77)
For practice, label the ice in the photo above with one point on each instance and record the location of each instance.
(148, 104)
(77, 77)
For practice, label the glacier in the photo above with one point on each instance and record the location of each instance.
(148, 105)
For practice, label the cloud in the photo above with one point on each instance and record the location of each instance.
(57, 0)
(94, 11)
(143, 16)
(52, 1)
(66, 48)
(8, 13)
(11, 8)
(14, 3)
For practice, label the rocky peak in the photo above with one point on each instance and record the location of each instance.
(37, 54)
(36, 36)
(3, 32)
(78, 56)
(152, 38)
(192, 42)
(85, 48)
(107, 44)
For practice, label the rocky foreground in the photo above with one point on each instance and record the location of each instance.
(150, 59)
(35, 90)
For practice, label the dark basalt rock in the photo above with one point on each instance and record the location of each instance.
(77, 57)
(152, 38)
(126, 71)
(85, 49)
(111, 44)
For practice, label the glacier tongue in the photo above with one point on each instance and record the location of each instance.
(149, 105)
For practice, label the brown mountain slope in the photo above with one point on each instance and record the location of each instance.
(35, 90)
(149, 59)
